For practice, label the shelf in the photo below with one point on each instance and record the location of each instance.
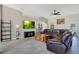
(6, 22)
(5, 26)
(6, 34)
(5, 30)
(6, 38)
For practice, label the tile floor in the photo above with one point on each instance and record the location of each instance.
(24, 46)
(31, 46)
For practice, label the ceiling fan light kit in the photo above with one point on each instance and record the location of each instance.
(55, 13)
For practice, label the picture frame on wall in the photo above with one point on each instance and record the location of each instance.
(72, 26)
(60, 21)
(52, 26)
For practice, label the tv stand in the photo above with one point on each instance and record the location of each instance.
(29, 34)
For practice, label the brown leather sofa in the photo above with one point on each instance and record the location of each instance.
(60, 47)
(51, 32)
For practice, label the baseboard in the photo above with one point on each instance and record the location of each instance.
(19, 38)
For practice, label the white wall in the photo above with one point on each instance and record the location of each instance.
(17, 18)
(71, 19)
(29, 19)
(43, 21)
(44, 25)
(37, 20)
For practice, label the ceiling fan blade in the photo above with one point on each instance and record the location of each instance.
(58, 13)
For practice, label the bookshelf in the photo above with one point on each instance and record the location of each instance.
(5, 30)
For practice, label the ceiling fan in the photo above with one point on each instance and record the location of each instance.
(55, 13)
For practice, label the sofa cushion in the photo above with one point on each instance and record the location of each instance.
(65, 32)
(65, 37)
(68, 42)
(57, 47)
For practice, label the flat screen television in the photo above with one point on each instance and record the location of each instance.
(28, 24)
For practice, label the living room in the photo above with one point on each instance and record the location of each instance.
(28, 22)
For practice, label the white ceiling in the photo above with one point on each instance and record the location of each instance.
(43, 10)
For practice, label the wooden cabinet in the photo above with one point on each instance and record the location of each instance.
(41, 37)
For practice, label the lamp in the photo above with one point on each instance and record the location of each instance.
(17, 26)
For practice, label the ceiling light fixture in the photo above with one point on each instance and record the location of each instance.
(55, 13)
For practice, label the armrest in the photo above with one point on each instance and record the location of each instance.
(57, 42)
(54, 42)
